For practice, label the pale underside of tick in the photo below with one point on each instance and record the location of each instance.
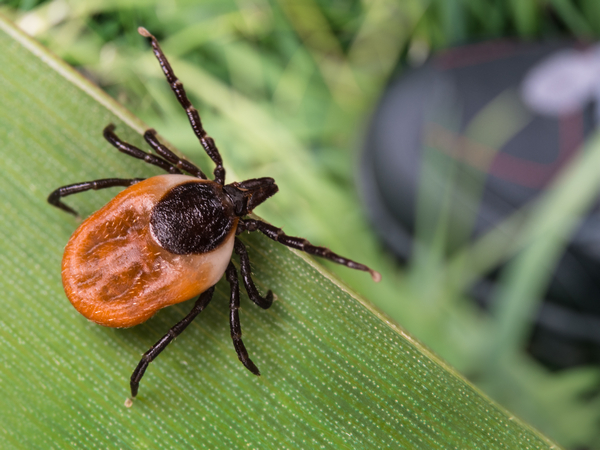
(169, 238)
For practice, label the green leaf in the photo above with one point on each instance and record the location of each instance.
(335, 372)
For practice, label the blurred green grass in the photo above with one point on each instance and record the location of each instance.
(286, 89)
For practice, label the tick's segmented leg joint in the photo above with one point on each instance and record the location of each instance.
(234, 320)
(177, 86)
(64, 191)
(264, 302)
(162, 343)
(278, 235)
(135, 152)
(180, 163)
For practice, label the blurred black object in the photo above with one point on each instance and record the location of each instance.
(543, 98)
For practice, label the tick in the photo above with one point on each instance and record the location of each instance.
(169, 238)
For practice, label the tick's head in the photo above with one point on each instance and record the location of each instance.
(248, 194)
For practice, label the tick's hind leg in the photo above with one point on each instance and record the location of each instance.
(132, 150)
(162, 343)
(278, 235)
(55, 196)
(206, 141)
(264, 302)
(234, 320)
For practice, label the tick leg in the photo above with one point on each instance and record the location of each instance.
(55, 196)
(264, 302)
(234, 320)
(132, 150)
(302, 244)
(162, 343)
(206, 141)
(182, 164)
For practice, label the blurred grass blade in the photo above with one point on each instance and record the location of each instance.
(554, 220)
(572, 17)
(313, 28)
(335, 373)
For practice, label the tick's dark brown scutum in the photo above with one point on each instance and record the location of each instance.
(169, 238)
(190, 207)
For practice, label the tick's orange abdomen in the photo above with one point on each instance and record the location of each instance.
(116, 274)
